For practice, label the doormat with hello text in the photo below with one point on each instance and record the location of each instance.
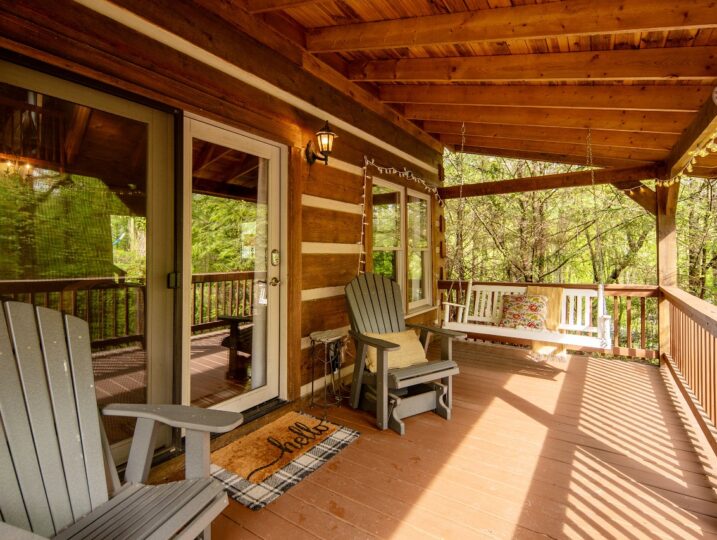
(259, 467)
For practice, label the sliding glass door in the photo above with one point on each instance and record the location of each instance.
(86, 227)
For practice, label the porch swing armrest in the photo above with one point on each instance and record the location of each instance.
(604, 325)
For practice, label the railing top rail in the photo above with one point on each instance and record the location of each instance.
(16, 286)
(610, 290)
(701, 311)
(225, 276)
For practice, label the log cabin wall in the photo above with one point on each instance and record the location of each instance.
(324, 220)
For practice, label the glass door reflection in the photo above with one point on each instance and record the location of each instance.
(229, 299)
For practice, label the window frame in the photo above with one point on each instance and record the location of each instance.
(402, 250)
(428, 282)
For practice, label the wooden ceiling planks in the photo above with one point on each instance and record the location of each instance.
(523, 72)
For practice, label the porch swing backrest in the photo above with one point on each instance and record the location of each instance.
(582, 322)
(485, 306)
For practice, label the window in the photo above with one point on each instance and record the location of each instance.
(419, 253)
(401, 245)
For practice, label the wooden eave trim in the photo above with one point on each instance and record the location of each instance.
(262, 31)
(553, 181)
(158, 33)
(540, 21)
(703, 125)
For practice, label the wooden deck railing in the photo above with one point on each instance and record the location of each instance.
(115, 310)
(225, 293)
(693, 348)
(633, 309)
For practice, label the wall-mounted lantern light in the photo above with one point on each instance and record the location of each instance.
(324, 142)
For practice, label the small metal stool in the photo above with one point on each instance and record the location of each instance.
(332, 374)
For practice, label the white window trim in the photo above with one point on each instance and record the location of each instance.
(428, 300)
(402, 259)
(401, 249)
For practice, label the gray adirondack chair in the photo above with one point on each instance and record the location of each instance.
(375, 306)
(57, 476)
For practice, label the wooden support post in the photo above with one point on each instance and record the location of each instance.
(298, 170)
(666, 255)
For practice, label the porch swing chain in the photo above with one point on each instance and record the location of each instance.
(461, 206)
(598, 232)
(602, 306)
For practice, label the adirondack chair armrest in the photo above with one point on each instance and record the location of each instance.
(437, 330)
(10, 532)
(179, 416)
(374, 342)
(199, 423)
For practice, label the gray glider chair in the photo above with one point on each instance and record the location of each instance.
(57, 476)
(376, 307)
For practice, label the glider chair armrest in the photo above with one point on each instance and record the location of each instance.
(447, 337)
(199, 423)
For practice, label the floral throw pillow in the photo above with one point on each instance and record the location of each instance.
(524, 311)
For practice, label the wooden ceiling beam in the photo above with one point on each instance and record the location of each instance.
(553, 181)
(576, 148)
(263, 6)
(703, 126)
(657, 122)
(541, 21)
(630, 64)
(629, 139)
(571, 159)
(637, 97)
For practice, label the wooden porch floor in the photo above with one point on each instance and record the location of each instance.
(581, 448)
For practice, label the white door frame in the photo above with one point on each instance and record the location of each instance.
(277, 158)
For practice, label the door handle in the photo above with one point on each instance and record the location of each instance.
(274, 282)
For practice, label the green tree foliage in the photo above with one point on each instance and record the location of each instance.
(224, 234)
(581, 235)
(57, 225)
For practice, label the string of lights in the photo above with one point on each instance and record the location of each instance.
(404, 173)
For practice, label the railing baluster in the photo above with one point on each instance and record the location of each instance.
(616, 321)
(628, 320)
(643, 336)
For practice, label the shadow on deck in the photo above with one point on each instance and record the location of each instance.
(578, 448)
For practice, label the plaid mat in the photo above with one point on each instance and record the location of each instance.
(257, 496)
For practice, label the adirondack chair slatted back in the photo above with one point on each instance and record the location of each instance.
(51, 458)
(485, 302)
(375, 305)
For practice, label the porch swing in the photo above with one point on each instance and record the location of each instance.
(482, 311)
